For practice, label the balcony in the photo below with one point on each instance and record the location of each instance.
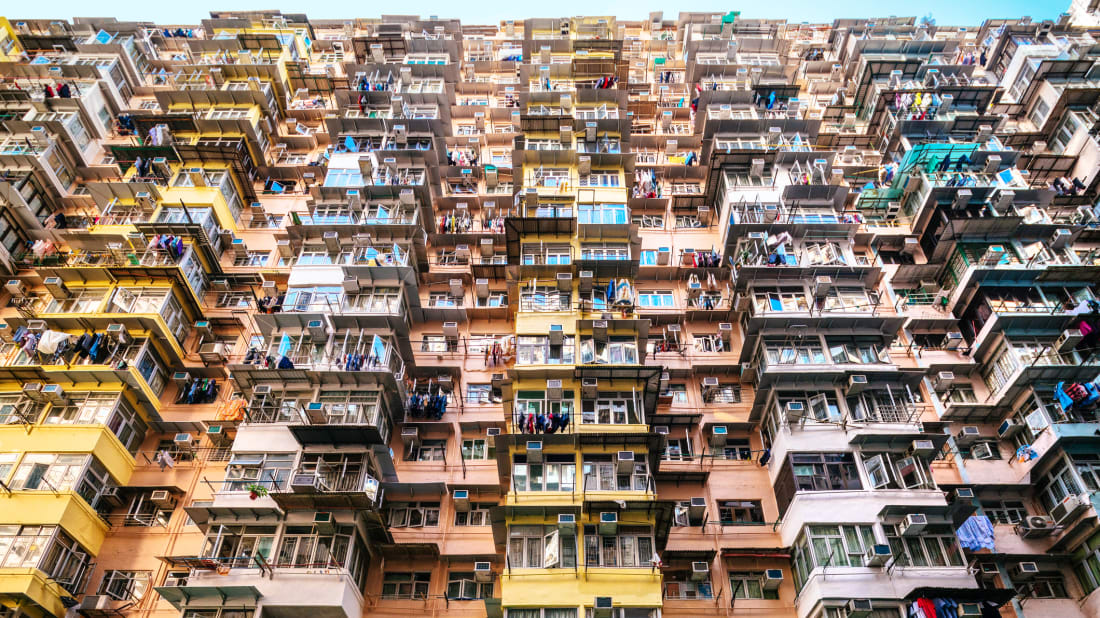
(369, 308)
(329, 486)
(326, 588)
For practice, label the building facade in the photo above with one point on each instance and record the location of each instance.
(552, 318)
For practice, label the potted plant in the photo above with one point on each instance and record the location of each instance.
(256, 490)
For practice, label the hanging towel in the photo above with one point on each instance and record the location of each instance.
(976, 533)
(50, 340)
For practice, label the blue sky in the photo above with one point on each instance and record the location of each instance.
(955, 12)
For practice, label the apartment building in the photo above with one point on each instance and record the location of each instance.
(584, 317)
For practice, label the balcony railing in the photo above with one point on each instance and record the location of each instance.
(353, 359)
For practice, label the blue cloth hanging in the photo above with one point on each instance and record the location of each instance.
(976, 533)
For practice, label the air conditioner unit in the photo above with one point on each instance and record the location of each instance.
(450, 330)
(858, 608)
(1061, 238)
(589, 387)
(1008, 428)
(162, 499)
(483, 572)
(1024, 571)
(661, 430)
(962, 493)
(183, 442)
(625, 461)
(1068, 340)
(857, 383)
(16, 288)
(609, 523)
(877, 555)
(1035, 527)
(795, 410)
(718, 435)
(922, 448)
(217, 435)
(664, 256)
(492, 431)
(304, 482)
(822, 285)
(1070, 506)
(324, 523)
(410, 435)
(54, 394)
(212, 352)
(697, 507)
(261, 389)
(36, 326)
(316, 414)
(534, 451)
(700, 571)
(969, 610)
(602, 607)
(772, 579)
(56, 287)
(914, 524)
(952, 341)
(553, 390)
(93, 604)
(461, 499)
(943, 380)
(968, 434)
(33, 391)
(567, 521)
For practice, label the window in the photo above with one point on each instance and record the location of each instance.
(251, 258)
(740, 512)
(7, 462)
(649, 222)
(746, 585)
(557, 473)
(678, 393)
(48, 472)
(414, 514)
(270, 470)
(677, 449)
(821, 546)
(897, 471)
(601, 473)
(1040, 113)
(478, 515)
(1088, 570)
(406, 585)
(304, 547)
(1045, 586)
(609, 410)
(477, 449)
(462, 586)
(825, 471)
(125, 585)
(479, 394)
(735, 449)
(657, 298)
(1004, 511)
(46, 548)
(932, 548)
(428, 450)
(546, 612)
(239, 545)
(723, 393)
(541, 547)
(631, 547)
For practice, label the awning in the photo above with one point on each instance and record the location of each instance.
(183, 596)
